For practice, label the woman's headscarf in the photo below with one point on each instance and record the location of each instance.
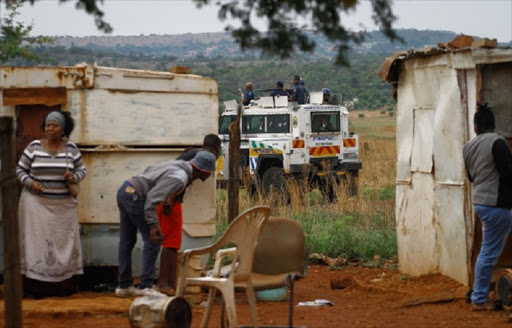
(58, 117)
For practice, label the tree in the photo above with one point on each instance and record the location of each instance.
(15, 39)
(284, 36)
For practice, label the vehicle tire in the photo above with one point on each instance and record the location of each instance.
(272, 182)
(352, 181)
(329, 192)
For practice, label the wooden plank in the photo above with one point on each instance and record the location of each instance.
(35, 96)
(12, 276)
(234, 167)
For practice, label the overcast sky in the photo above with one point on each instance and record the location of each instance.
(483, 18)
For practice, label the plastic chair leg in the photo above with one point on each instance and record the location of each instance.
(251, 297)
(228, 294)
(209, 303)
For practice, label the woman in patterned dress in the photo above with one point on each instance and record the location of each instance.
(49, 230)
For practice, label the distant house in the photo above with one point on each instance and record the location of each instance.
(437, 90)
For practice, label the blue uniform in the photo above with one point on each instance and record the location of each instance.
(279, 92)
(298, 95)
(248, 95)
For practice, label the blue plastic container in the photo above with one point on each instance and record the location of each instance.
(272, 295)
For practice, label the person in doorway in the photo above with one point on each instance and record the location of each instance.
(489, 168)
(49, 230)
(137, 200)
(170, 218)
(248, 94)
(298, 92)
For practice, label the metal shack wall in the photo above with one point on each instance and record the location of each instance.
(125, 121)
(431, 195)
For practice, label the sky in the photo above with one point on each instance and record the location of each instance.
(482, 18)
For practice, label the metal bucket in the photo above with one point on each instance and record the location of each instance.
(160, 312)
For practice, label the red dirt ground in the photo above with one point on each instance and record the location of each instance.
(374, 298)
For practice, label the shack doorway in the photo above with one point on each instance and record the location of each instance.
(496, 89)
(28, 124)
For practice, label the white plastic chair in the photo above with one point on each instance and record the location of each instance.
(243, 232)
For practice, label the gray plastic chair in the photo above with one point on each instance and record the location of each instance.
(280, 258)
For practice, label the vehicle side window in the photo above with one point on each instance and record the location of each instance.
(225, 122)
(278, 123)
(253, 124)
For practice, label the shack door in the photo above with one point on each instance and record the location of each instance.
(28, 124)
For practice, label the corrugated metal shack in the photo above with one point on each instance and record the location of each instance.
(125, 120)
(437, 90)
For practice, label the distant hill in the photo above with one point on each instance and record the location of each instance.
(221, 44)
(216, 55)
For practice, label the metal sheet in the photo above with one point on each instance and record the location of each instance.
(152, 81)
(451, 233)
(416, 226)
(107, 170)
(100, 244)
(76, 77)
(471, 84)
(404, 131)
(142, 118)
(449, 132)
(423, 141)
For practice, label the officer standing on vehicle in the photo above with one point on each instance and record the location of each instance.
(248, 94)
(298, 92)
(302, 83)
(279, 91)
(326, 96)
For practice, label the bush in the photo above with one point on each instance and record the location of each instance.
(360, 115)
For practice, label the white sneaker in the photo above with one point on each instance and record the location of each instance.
(127, 292)
(150, 292)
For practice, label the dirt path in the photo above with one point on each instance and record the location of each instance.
(374, 298)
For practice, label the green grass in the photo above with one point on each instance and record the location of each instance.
(349, 235)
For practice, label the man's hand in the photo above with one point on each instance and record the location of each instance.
(154, 234)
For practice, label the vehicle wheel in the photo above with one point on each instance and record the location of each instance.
(273, 183)
(329, 193)
(352, 183)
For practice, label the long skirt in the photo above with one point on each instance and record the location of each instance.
(50, 237)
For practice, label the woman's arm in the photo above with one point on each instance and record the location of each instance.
(79, 170)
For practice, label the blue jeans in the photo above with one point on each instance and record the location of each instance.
(131, 209)
(496, 223)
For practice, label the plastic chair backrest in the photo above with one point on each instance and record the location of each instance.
(281, 248)
(244, 232)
